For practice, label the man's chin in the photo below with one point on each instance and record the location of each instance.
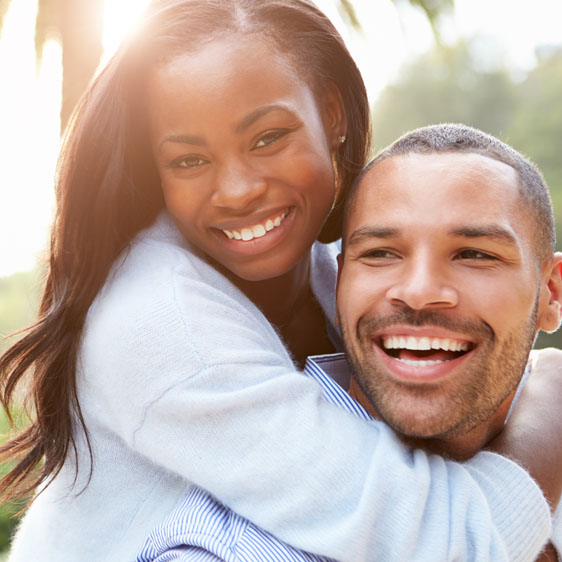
(419, 427)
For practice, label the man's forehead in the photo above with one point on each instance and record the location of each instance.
(469, 164)
(413, 182)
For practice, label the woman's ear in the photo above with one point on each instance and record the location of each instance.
(333, 116)
(550, 300)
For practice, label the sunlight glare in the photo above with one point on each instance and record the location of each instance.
(120, 18)
(29, 113)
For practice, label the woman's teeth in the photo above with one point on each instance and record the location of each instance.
(256, 231)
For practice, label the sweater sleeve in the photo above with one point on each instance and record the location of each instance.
(190, 375)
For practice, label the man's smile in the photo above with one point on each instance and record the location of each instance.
(423, 351)
(419, 353)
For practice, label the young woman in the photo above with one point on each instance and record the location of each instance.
(185, 284)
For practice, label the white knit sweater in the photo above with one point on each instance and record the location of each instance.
(182, 380)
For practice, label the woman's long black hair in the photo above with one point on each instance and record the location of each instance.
(107, 190)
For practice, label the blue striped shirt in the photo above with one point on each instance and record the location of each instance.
(201, 529)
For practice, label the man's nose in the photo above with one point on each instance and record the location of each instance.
(423, 284)
(237, 185)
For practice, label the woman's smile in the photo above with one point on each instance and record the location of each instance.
(258, 230)
(258, 238)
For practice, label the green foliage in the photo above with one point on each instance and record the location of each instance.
(19, 299)
(446, 85)
(433, 10)
(8, 511)
(536, 129)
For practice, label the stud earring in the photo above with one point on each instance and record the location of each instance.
(337, 180)
(342, 139)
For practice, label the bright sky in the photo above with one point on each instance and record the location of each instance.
(29, 104)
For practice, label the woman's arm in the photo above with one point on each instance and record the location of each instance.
(532, 436)
(189, 375)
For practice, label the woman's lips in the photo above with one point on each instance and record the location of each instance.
(257, 230)
(256, 238)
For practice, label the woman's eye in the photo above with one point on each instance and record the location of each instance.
(270, 137)
(469, 254)
(191, 161)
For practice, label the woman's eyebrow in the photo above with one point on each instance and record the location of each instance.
(185, 139)
(253, 116)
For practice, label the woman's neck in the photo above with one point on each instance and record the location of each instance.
(281, 297)
(289, 304)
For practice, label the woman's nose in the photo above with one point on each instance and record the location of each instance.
(237, 186)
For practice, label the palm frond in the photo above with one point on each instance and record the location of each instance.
(433, 9)
(348, 11)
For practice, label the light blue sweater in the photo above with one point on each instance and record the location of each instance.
(182, 380)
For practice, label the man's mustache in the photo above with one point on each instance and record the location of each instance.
(477, 329)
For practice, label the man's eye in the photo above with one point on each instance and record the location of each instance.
(379, 253)
(191, 161)
(469, 254)
(270, 138)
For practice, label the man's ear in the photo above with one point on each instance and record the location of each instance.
(550, 300)
(340, 266)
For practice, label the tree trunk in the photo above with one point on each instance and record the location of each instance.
(81, 28)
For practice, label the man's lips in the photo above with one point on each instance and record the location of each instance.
(422, 356)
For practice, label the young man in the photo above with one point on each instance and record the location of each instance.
(447, 273)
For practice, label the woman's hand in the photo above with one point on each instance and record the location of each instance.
(533, 435)
(548, 554)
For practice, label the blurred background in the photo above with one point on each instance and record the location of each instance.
(493, 64)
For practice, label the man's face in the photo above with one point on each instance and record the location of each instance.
(439, 296)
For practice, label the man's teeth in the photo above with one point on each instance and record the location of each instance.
(256, 231)
(423, 343)
(420, 363)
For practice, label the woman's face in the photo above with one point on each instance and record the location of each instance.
(244, 154)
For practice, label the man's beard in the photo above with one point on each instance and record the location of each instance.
(446, 409)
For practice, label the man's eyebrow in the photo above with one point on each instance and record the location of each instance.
(367, 232)
(257, 114)
(492, 231)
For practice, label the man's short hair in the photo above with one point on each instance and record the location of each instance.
(447, 138)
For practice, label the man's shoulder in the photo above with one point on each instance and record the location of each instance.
(333, 374)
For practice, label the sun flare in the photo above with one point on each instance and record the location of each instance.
(120, 18)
